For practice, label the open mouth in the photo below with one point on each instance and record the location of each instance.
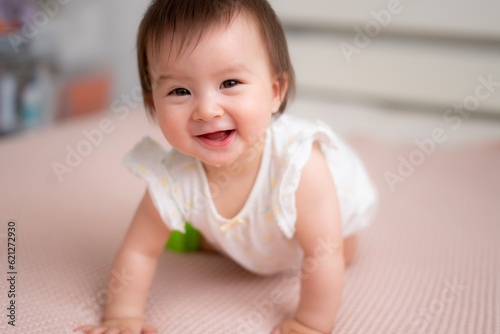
(219, 138)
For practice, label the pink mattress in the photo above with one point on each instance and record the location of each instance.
(430, 263)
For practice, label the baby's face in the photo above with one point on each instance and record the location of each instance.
(215, 101)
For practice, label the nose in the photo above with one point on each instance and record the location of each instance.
(207, 109)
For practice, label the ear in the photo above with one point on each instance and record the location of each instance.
(279, 91)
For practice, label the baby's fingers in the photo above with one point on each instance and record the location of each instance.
(84, 328)
(146, 329)
(98, 330)
(90, 329)
(113, 331)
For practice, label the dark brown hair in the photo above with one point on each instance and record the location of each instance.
(188, 19)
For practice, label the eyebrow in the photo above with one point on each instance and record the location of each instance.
(232, 68)
(162, 78)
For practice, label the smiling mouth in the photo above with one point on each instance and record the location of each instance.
(219, 138)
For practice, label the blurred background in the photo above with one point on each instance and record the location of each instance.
(391, 68)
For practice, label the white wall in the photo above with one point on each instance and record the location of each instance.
(427, 54)
(126, 16)
(95, 33)
(464, 18)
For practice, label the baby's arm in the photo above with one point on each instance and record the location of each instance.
(319, 232)
(133, 271)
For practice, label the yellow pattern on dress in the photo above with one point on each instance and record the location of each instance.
(268, 216)
(238, 238)
(274, 182)
(190, 166)
(164, 182)
(277, 210)
(268, 238)
(232, 223)
(345, 190)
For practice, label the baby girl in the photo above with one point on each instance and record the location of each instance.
(265, 189)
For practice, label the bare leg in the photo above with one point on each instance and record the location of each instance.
(349, 248)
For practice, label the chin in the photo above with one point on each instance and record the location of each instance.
(218, 163)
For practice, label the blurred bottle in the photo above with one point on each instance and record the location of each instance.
(31, 111)
(8, 103)
(49, 93)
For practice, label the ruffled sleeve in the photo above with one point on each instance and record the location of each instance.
(357, 197)
(295, 149)
(149, 161)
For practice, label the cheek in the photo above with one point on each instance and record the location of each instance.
(254, 115)
(259, 100)
(168, 114)
(169, 124)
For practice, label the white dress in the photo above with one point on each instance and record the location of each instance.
(261, 236)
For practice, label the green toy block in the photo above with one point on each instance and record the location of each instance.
(184, 242)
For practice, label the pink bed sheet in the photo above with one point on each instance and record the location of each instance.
(430, 262)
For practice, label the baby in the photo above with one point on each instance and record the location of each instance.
(270, 191)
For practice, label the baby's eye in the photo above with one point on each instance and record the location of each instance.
(180, 92)
(229, 83)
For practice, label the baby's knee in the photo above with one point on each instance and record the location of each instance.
(206, 246)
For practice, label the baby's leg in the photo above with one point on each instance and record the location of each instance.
(349, 248)
(205, 246)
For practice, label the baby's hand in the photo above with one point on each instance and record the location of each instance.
(292, 326)
(119, 326)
